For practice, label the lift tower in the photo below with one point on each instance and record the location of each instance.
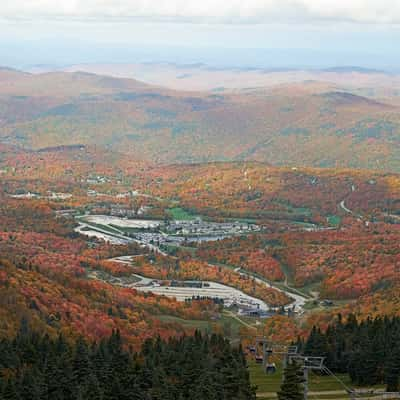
(289, 354)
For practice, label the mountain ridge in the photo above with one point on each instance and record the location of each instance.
(297, 124)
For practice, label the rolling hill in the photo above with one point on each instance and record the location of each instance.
(299, 124)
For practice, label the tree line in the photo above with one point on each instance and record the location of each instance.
(369, 351)
(37, 367)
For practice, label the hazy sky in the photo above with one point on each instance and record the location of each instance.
(266, 33)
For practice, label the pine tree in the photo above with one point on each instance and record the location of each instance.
(196, 367)
(208, 388)
(10, 391)
(368, 375)
(393, 370)
(30, 387)
(316, 344)
(291, 388)
(92, 390)
(81, 362)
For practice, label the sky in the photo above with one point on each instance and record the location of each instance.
(241, 33)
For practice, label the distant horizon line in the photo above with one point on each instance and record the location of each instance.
(339, 68)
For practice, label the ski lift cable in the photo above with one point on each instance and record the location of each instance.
(348, 389)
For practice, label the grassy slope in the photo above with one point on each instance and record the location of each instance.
(180, 214)
(268, 385)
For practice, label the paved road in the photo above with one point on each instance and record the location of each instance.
(298, 299)
(343, 207)
(115, 238)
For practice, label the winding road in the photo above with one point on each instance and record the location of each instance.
(343, 207)
(117, 236)
(298, 300)
(297, 304)
(87, 229)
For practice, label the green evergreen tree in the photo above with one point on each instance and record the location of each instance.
(92, 390)
(292, 388)
(392, 372)
(10, 391)
(81, 362)
(30, 387)
(195, 367)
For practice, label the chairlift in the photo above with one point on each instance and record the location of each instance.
(259, 359)
(270, 368)
(292, 350)
(252, 349)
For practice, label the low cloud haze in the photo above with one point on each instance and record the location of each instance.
(239, 11)
(252, 33)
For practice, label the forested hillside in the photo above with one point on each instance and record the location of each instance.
(306, 124)
(258, 190)
(44, 269)
(94, 242)
(36, 367)
(368, 350)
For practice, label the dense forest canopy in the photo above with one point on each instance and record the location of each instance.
(368, 350)
(200, 367)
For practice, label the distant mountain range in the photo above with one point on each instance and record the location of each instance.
(295, 119)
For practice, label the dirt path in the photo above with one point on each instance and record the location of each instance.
(342, 395)
(232, 315)
(311, 393)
